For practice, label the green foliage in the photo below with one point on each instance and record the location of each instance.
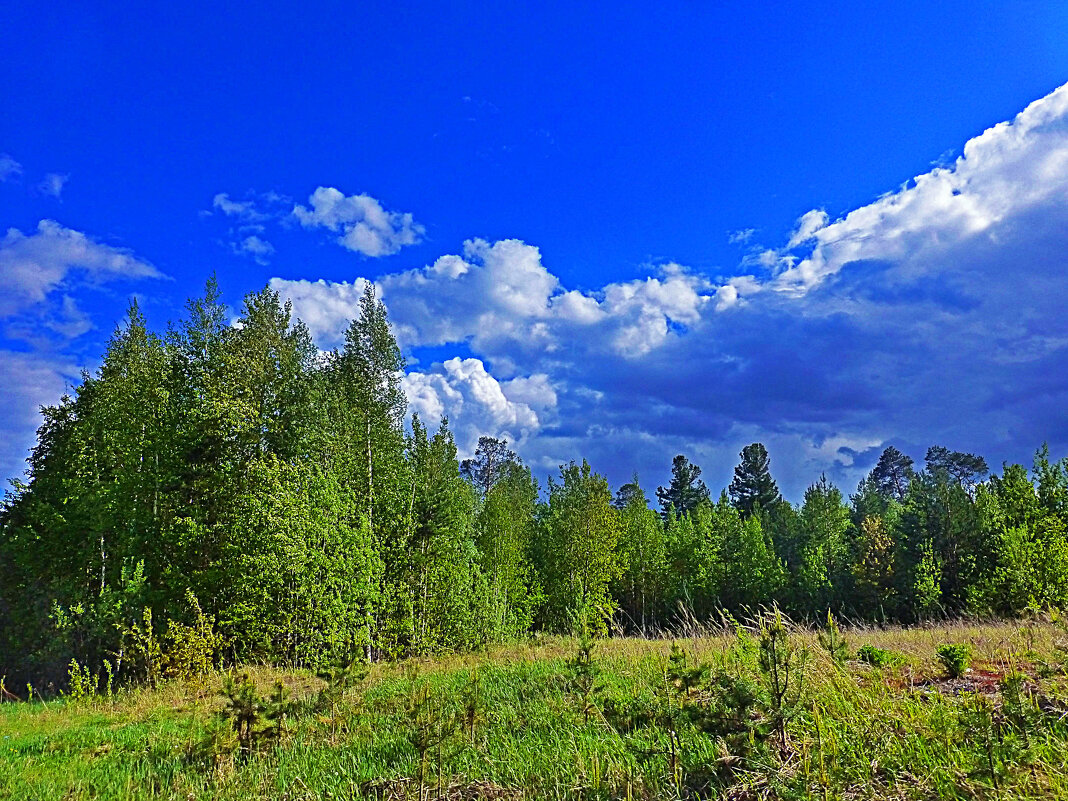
(81, 682)
(955, 658)
(833, 642)
(753, 488)
(578, 552)
(877, 657)
(782, 663)
(191, 649)
(643, 550)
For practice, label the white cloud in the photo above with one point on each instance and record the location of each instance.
(9, 168)
(807, 226)
(31, 380)
(33, 266)
(244, 210)
(1003, 172)
(741, 236)
(325, 307)
(478, 404)
(259, 249)
(500, 297)
(71, 322)
(363, 225)
(52, 184)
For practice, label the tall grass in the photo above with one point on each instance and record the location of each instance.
(512, 721)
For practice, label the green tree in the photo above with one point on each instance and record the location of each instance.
(643, 551)
(753, 487)
(822, 577)
(505, 531)
(579, 556)
(448, 590)
(685, 491)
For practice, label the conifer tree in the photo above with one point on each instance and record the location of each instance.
(753, 487)
(685, 491)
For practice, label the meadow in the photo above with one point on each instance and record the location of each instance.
(741, 711)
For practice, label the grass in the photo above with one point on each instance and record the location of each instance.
(510, 722)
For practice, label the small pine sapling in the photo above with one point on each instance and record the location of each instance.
(583, 666)
(432, 725)
(276, 709)
(243, 709)
(472, 706)
(833, 641)
(782, 664)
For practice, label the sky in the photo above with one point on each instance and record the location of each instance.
(610, 231)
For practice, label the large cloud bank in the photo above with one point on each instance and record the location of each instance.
(933, 314)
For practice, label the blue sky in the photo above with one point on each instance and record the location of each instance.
(616, 231)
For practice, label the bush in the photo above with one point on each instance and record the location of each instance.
(956, 659)
(877, 657)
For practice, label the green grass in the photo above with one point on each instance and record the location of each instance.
(903, 731)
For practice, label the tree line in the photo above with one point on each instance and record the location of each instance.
(228, 481)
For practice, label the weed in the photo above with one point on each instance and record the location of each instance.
(81, 682)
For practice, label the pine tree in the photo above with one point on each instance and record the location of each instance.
(685, 491)
(753, 487)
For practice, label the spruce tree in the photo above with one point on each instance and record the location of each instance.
(685, 491)
(753, 487)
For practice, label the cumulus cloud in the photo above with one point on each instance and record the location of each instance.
(362, 224)
(325, 307)
(932, 315)
(32, 266)
(1007, 170)
(477, 403)
(9, 168)
(501, 298)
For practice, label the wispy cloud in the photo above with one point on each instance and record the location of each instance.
(52, 184)
(259, 249)
(9, 168)
(35, 265)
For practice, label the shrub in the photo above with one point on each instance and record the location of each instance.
(191, 649)
(877, 657)
(955, 658)
(81, 683)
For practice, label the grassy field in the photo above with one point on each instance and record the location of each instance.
(536, 720)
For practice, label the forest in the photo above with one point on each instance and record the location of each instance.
(225, 493)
